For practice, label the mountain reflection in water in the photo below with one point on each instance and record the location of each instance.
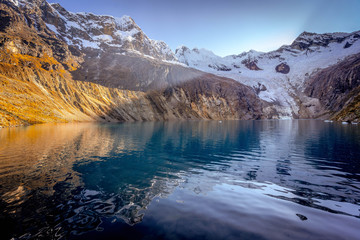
(230, 179)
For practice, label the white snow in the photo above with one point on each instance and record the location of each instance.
(162, 47)
(124, 21)
(127, 35)
(103, 38)
(200, 58)
(15, 2)
(52, 28)
(114, 45)
(175, 62)
(87, 44)
(72, 24)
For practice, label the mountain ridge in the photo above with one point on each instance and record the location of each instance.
(281, 74)
(87, 67)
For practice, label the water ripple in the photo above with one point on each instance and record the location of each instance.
(63, 181)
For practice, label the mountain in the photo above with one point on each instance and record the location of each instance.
(102, 33)
(280, 76)
(58, 66)
(335, 91)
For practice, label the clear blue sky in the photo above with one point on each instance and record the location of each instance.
(228, 26)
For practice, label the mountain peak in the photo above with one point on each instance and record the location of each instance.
(125, 20)
(305, 33)
(101, 32)
(181, 49)
(307, 40)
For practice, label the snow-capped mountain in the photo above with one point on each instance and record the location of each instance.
(277, 76)
(81, 66)
(99, 32)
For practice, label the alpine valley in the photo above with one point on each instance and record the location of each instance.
(59, 66)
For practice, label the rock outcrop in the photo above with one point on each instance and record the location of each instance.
(251, 64)
(282, 68)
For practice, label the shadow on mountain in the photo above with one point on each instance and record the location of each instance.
(170, 91)
(136, 73)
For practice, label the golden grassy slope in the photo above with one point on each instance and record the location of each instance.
(31, 94)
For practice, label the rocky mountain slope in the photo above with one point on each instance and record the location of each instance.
(115, 51)
(280, 76)
(57, 66)
(335, 91)
(89, 31)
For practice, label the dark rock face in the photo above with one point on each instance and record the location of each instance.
(251, 64)
(5, 20)
(226, 98)
(259, 88)
(307, 39)
(338, 89)
(282, 68)
(182, 49)
(347, 45)
(131, 72)
(219, 67)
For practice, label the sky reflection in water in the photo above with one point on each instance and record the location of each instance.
(235, 179)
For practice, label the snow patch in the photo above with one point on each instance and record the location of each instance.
(127, 35)
(124, 22)
(87, 44)
(103, 38)
(71, 24)
(15, 2)
(175, 62)
(52, 28)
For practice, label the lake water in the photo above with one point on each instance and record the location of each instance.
(181, 180)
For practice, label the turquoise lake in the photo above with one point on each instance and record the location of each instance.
(276, 179)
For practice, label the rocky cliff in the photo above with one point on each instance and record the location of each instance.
(334, 92)
(55, 66)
